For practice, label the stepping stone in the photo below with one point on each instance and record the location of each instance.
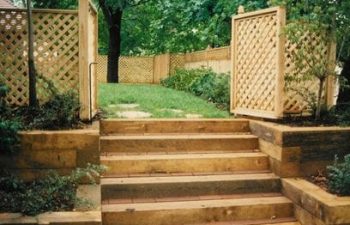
(128, 106)
(134, 114)
(193, 116)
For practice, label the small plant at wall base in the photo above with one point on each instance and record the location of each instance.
(52, 193)
(339, 176)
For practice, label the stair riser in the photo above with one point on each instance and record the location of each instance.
(109, 127)
(186, 165)
(166, 190)
(178, 145)
(192, 216)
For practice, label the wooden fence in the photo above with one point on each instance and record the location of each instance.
(261, 59)
(152, 69)
(59, 44)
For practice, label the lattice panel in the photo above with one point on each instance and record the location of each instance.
(136, 69)
(56, 52)
(176, 61)
(297, 91)
(255, 63)
(101, 68)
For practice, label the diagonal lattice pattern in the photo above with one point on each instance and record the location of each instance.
(298, 91)
(255, 62)
(56, 52)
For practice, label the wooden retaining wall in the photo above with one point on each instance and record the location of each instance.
(300, 151)
(62, 151)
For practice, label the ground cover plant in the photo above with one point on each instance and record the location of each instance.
(202, 82)
(159, 102)
(339, 176)
(51, 193)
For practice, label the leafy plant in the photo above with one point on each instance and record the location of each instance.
(9, 135)
(202, 82)
(52, 193)
(339, 176)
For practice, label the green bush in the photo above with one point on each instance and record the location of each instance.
(339, 176)
(9, 135)
(182, 79)
(203, 83)
(52, 193)
(60, 112)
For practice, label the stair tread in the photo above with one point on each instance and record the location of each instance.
(181, 155)
(118, 175)
(187, 179)
(189, 198)
(277, 221)
(178, 136)
(154, 206)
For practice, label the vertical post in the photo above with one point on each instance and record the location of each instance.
(84, 60)
(279, 94)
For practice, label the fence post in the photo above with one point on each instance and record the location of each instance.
(330, 83)
(84, 49)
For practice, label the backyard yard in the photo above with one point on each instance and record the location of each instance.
(143, 101)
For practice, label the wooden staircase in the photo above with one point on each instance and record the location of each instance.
(188, 172)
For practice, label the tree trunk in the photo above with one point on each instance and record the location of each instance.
(33, 101)
(319, 100)
(344, 93)
(114, 47)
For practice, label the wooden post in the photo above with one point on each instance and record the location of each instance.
(240, 9)
(279, 95)
(84, 60)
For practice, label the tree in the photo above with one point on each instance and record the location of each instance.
(33, 101)
(113, 13)
(334, 18)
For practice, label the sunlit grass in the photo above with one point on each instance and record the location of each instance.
(161, 102)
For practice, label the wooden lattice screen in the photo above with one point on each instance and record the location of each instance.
(56, 52)
(257, 63)
(262, 60)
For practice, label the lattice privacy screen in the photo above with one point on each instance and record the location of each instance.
(262, 60)
(56, 52)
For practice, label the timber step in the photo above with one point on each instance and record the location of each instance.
(176, 143)
(156, 126)
(190, 212)
(195, 186)
(183, 163)
(279, 221)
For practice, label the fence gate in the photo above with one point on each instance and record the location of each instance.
(258, 63)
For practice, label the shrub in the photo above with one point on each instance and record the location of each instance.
(9, 138)
(339, 176)
(52, 193)
(202, 82)
(182, 79)
(61, 111)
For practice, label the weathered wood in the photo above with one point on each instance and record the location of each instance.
(192, 212)
(169, 163)
(327, 208)
(151, 126)
(178, 143)
(172, 186)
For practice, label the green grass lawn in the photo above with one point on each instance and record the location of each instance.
(159, 101)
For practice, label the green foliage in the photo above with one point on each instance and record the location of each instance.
(182, 79)
(61, 111)
(159, 101)
(339, 176)
(52, 193)
(203, 83)
(9, 138)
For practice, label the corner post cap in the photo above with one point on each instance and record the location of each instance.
(241, 9)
